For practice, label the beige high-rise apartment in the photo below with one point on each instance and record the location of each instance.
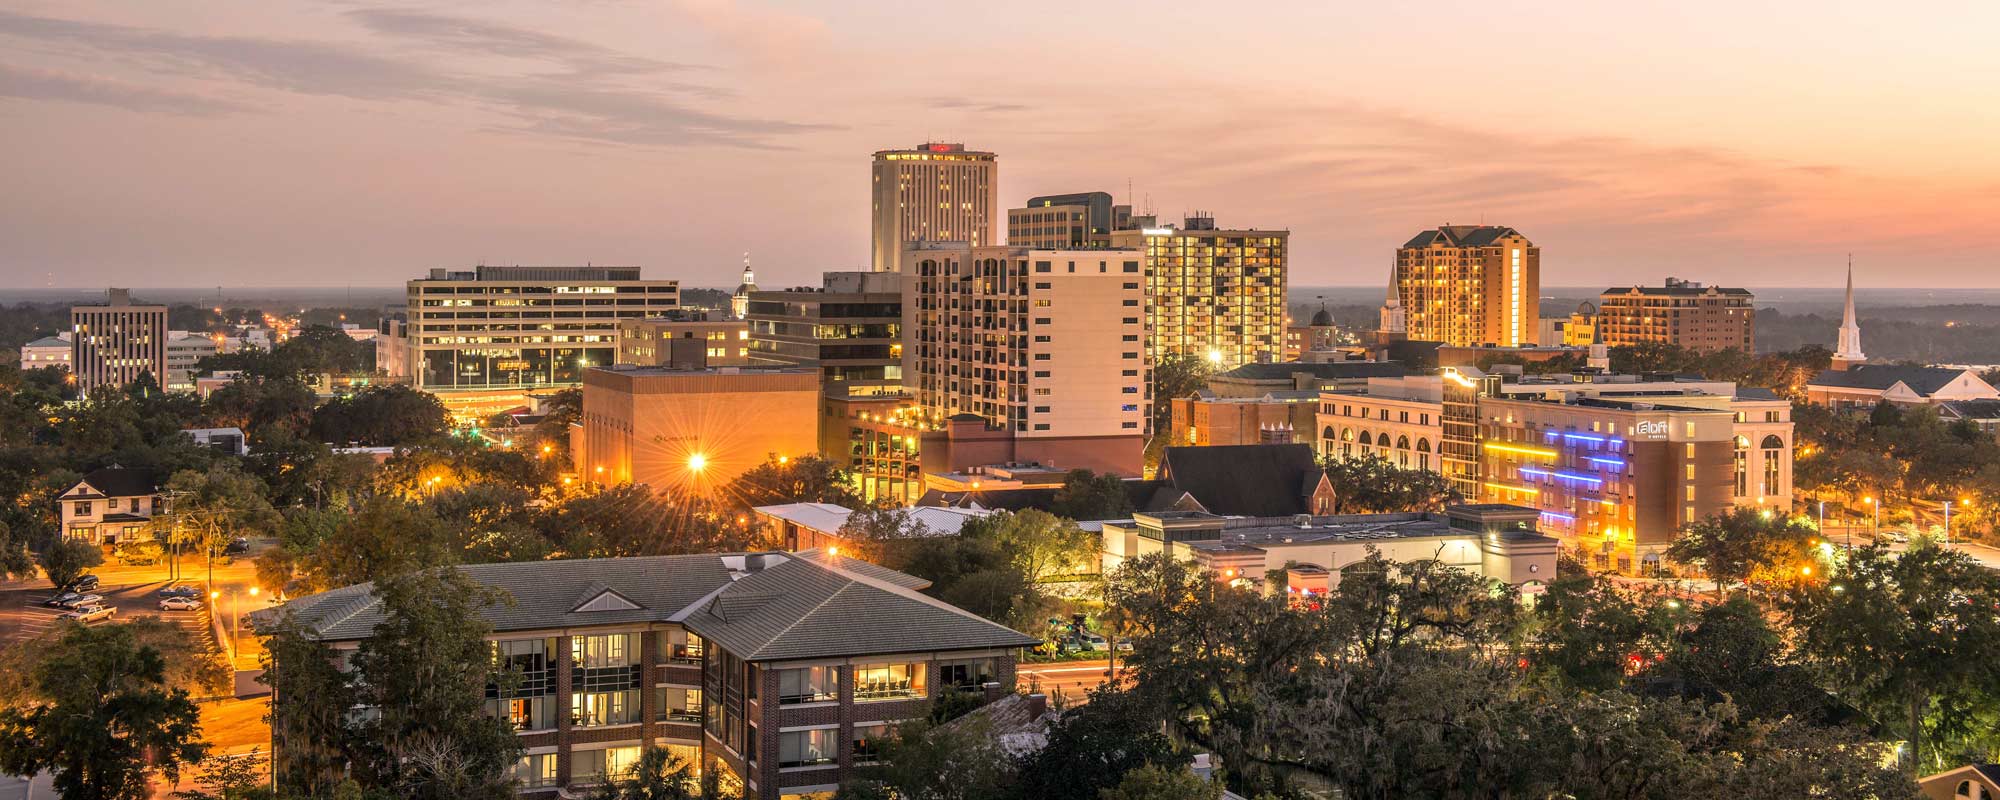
(1470, 285)
(1047, 346)
(1215, 293)
(937, 192)
(1685, 314)
(113, 344)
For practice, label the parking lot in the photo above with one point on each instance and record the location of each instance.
(24, 618)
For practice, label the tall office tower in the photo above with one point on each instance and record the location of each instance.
(482, 339)
(1685, 314)
(1469, 285)
(1044, 345)
(1214, 293)
(939, 192)
(1079, 221)
(113, 344)
(849, 328)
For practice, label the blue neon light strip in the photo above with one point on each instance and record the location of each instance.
(1615, 462)
(1582, 437)
(1558, 516)
(1564, 475)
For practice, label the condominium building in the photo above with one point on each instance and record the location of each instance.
(936, 192)
(1681, 313)
(1470, 285)
(849, 329)
(487, 336)
(1213, 293)
(691, 429)
(783, 672)
(1045, 345)
(1079, 221)
(113, 344)
(1619, 468)
(685, 337)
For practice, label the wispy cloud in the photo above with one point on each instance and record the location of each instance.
(638, 111)
(40, 84)
(959, 104)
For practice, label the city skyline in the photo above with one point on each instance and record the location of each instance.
(280, 144)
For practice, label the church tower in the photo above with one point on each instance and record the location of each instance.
(1849, 352)
(739, 303)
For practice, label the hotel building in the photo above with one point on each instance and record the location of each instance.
(937, 192)
(1682, 313)
(785, 672)
(1213, 293)
(849, 329)
(684, 337)
(1470, 285)
(691, 429)
(481, 339)
(111, 345)
(1046, 346)
(1618, 469)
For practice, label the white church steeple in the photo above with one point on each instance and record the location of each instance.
(1849, 351)
(739, 303)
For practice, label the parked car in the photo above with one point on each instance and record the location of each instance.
(178, 603)
(1092, 642)
(90, 613)
(58, 599)
(1898, 537)
(81, 600)
(180, 590)
(237, 545)
(87, 583)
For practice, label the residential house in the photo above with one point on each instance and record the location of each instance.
(110, 506)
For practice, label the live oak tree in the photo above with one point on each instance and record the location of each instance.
(1087, 495)
(66, 559)
(424, 672)
(103, 719)
(1745, 543)
(1092, 747)
(1155, 782)
(1913, 638)
(309, 716)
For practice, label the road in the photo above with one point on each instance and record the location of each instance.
(1071, 681)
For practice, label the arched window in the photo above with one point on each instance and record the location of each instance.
(1402, 442)
(1774, 452)
(1327, 433)
(1347, 434)
(1772, 442)
(1423, 445)
(1366, 440)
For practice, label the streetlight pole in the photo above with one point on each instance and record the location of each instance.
(1947, 524)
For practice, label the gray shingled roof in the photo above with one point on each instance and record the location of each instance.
(122, 482)
(1971, 409)
(1251, 480)
(1922, 380)
(1462, 235)
(798, 605)
(48, 341)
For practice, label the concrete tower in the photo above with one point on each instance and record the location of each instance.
(1849, 352)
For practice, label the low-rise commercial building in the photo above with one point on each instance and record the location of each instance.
(48, 351)
(1397, 419)
(1497, 541)
(687, 338)
(1279, 417)
(692, 430)
(784, 672)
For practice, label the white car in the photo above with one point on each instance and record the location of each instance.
(180, 604)
(89, 614)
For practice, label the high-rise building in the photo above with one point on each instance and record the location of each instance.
(1044, 345)
(849, 329)
(482, 338)
(1217, 294)
(1470, 285)
(1686, 314)
(937, 192)
(113, 344)
(1079, 221)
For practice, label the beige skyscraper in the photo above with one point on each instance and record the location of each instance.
(114, 343)
(1468, 285)
(938, 192)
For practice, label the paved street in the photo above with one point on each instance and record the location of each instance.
(1072, 680)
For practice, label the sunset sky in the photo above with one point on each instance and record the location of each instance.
(284, 142)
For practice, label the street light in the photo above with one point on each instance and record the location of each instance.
(1875, 527)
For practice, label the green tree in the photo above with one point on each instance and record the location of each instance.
(1370, 484)
(661, 775)
(1157, 782)
(257, 404)
(106, 720)
(1912, 638)
(230, 778)
(800, 479)
(381, 416)
(207, 509)
(388, 536)
(1588, 632)
(1042, 545)
(1745, 543)
(1086, 495)
(309, 716)
(1092, 747)
(426, 667)
(960, 760)
(15, 560)
(66, 559)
